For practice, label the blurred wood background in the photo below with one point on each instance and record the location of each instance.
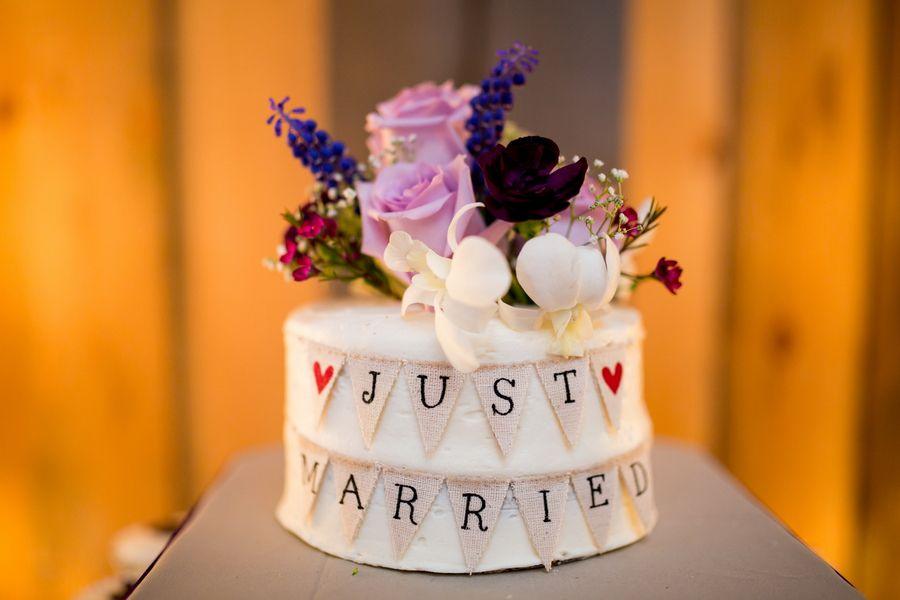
(139, 190)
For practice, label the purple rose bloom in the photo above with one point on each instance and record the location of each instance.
(522, 180)
(435, 114)
(420, 199)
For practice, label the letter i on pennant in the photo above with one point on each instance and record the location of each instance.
(564, 381)
(476, 507)
(407, 497)
(324, 366)
(609, 370)
(372, 381)
(542, 505)
(433, 390)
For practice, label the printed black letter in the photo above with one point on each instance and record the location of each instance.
(476, 512)
(371, 394)
(499, 394)
(565, 376)
(408, 501)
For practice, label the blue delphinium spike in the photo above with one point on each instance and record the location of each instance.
(490, 106)
(312, 146)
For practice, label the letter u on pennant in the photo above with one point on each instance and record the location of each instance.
(433, 390)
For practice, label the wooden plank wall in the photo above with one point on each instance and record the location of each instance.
(235, 180)
(800, 275)
(678, 115)
(84, 321)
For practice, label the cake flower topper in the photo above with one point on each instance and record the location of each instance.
(460, 212)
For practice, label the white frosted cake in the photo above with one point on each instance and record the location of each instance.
(493, 418)
(468, 447)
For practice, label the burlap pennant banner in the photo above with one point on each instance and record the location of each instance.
(354, 483)
(597, 491)
(609, 371)
(476, 506)
(433, 390)
(564, 381)
(311, 469)
(372, 381)
(638, 479)
(542, 505)
(324, 364)
(476, 501)
(502, 391)
(408, 496)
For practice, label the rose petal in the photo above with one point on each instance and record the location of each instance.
(547, 269)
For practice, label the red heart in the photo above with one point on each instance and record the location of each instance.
(613, 378)
(322, 379)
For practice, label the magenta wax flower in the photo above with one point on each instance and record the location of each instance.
(290, 246)
(668, 273)
(631, 224)
(523, 182)
(304, 268)
(312, 225)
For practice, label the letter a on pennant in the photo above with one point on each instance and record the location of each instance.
(408, 497)
(597, 491)
(542, 505)
(372, 381)
(502, 391)
(354, 483)
(609, 370)
(564, 381)
(476, 506)
(324, 366)
(433, 390)
(638, 480)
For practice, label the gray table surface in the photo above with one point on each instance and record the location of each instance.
(713, 540)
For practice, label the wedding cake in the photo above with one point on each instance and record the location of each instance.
(493, 418)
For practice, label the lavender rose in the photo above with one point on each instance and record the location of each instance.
(435, 114)
(420, 199)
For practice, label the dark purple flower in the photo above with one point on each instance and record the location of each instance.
(631, 225)
(522, 183)
(304, 268)
(668, 273)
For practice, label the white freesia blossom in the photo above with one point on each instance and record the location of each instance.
(463, 290)
(570, 284)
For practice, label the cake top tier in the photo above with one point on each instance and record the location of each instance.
(376, 328)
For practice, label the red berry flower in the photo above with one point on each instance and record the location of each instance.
(668, 273)
(304, 268)
(523, 182)
(290, 246)
(631, 224)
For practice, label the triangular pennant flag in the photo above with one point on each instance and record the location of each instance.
(310, 469)
(476, 505)
(324, 366)
(372, 380)
(433, 390)
(564, 382)
(597, 491)
(354, 483)
(503, 390)
(408, 497)
(609, 370)
(638, 480)
(542, 504)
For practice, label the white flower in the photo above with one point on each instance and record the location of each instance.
(463, 290)
(619, 174)
(570, 284)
